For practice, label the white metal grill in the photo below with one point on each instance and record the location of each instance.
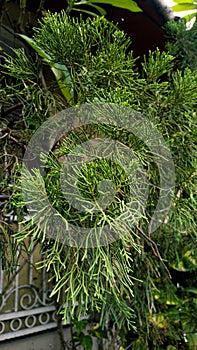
(25, 307)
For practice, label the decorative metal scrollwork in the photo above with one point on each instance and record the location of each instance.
(26, 308)
(30, 321)
(15, 324)
(2, 327)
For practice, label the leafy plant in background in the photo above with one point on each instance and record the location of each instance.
(121, 280)
(185, 5)
(182, 43)
(124, 4)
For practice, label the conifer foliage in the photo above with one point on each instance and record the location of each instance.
(126, 283)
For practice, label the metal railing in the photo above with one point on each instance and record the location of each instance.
(25, 305)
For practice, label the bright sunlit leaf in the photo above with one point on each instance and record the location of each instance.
(125, 4)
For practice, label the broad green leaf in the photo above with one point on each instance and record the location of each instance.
(124, 4)
(191, 335)
(191, 290)
(186, 263)
(184, 1)
(80, 325)
(163, 300)
(85, 11)
(160, 321)
(22, 4)
(192, 340)
(137, 344)
(184, 7)
(190, 16)
(60, 70)
(101, 11)
(98, 331)
(36, 47)
(63, 78)
(86, 341)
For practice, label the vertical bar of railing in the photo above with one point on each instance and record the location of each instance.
(31, 265)
(44, 286)
(16, 282)
(16, 292)
(1, 279)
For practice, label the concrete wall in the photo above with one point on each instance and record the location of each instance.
(42, 341)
